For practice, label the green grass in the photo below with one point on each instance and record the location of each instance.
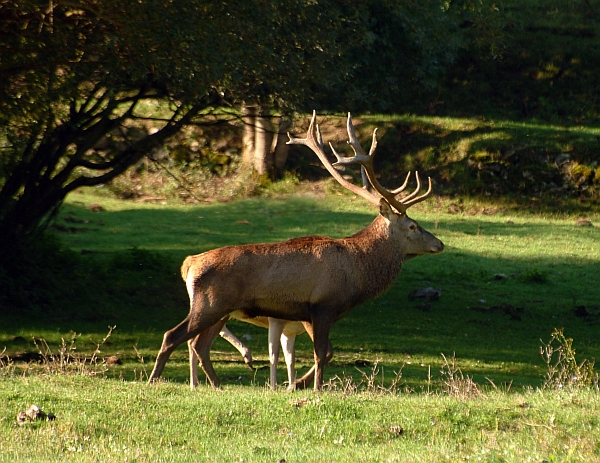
(494, 326)
(124, 272)
(108, 420)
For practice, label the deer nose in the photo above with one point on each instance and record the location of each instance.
(439, 247)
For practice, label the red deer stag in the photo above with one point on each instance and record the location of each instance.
(315, 281)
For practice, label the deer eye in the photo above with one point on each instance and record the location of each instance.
(412, 227)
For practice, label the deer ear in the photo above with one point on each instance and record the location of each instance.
(385, 209)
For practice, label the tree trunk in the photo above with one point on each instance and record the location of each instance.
(248, 137)
(264, 149)
(263, 157)
(280, 147)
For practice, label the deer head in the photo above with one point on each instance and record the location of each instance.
(414, 239)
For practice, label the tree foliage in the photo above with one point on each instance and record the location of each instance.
(74, 72)
(409, 46)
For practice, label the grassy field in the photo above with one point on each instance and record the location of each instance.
(453, 379)
(493, 324)
(107, 420)
(507, 281)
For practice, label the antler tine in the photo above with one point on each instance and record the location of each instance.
(414, 193)
(373, 143)
(352, 139)
(310, 135)
(319, 136)
(409, 202)
(314, 141)
(401, 188)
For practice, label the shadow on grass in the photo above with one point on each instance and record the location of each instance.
(127, 274)
(549, 167)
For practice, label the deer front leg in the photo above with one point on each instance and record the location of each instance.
(288, 343)
(275, 332)
(320, 328)
(309, 376)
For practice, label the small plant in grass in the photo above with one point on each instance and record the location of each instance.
(66, 361)
(535, 276)
(7, 366)
(373, 382)
(455, 383)
(141, 375)
(344, 384)
(562, 368)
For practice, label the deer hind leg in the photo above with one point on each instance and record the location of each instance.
(199, 350)
(195, 323)
(172, 338)
(239, 345)
(275, 333)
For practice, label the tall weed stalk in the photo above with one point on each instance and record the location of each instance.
(562, 368)
(65, 359)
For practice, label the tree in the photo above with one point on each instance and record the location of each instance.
(411, 44)
(395, 53)
(73, 72)
(264, 147)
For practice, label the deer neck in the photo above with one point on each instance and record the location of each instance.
(377, 239)
(379, 255)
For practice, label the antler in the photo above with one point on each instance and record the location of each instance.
(314, 141)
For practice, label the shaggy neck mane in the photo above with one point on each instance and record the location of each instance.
(379, 260)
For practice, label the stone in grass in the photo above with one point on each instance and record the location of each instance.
(22, 418)
(34, 413)
(396, 430)
(426, 294)
(113, 360)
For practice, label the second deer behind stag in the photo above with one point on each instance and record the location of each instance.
(315, 281)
